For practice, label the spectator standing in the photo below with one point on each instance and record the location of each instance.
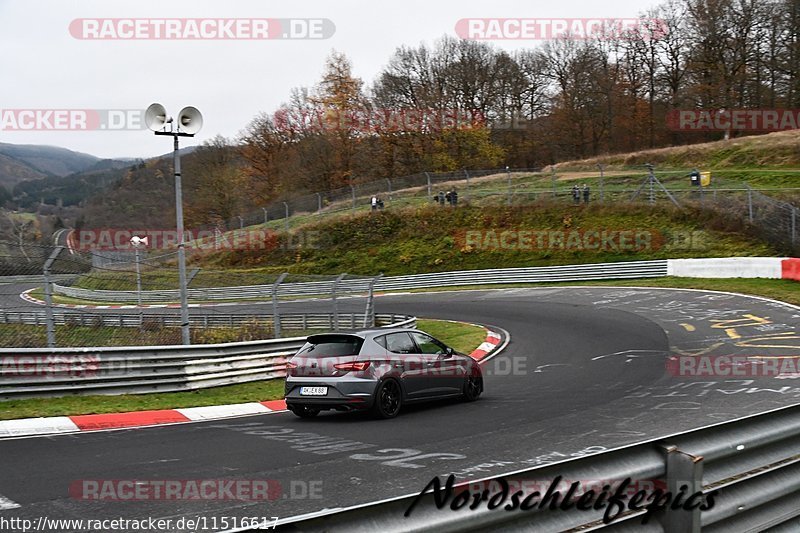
(454, 197)
(374, 203)
(586, 194)
(576, 195)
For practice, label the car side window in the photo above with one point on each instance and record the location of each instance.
(400, 343)
(428, 344)
(381, 341)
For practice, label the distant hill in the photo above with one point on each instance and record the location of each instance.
(13, 171)
(47, 160)
(35, 172)
(70, 190)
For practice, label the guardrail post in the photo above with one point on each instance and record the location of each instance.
(48, 298)
(276, 317)
(335, 304)
(428, 178)
(286, 217)
(682, 469)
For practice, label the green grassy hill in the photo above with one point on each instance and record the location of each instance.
(432, 238)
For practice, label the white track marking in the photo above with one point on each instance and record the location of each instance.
(6, 504)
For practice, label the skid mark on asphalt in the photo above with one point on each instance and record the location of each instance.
(6, 504)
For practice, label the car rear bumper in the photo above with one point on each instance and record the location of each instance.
(343, 393)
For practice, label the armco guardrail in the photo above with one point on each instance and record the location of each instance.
(296, 321)
(34, 372)
(752, 465)
(315, 288)
(621, 270)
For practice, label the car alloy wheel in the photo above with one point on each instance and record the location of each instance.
(388, 399)
(473, 386)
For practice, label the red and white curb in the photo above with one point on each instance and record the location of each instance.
(488, 346)
(28, 298)
(25, 295)
(26, 427)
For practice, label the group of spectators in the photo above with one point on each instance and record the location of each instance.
(451, 197)
(577, 192)
(376, 203)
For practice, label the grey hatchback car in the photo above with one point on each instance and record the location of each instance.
(378, 370)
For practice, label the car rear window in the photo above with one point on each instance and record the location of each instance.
(331, 345)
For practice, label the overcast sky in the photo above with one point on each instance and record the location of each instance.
(44, 67)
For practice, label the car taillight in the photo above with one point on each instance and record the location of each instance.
(349, 367)
(290, 365)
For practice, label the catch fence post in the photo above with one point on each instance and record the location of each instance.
(48, 298)
(276, 317)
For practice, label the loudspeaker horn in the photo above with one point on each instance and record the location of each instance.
(190, 120)
(156, 117)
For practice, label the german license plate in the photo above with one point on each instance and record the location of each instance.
(313, 391)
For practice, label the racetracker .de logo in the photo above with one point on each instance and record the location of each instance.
(111, 239)
(200, 29)
(33, 119)
(514, 29)
(176, 489)
(378, 120)
(49, 366)
(727, 366)
(733, 119)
